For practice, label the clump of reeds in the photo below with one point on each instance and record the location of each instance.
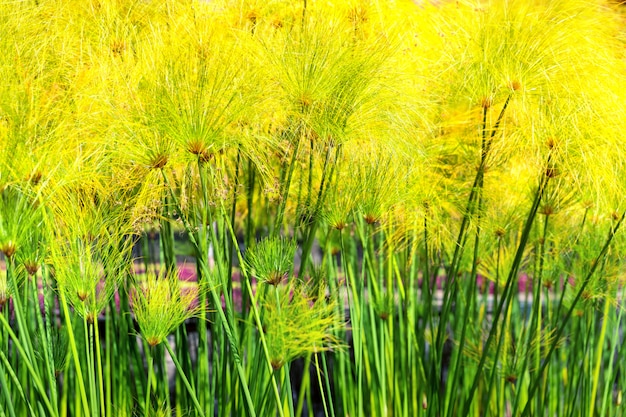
(418, 206)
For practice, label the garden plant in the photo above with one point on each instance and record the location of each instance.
(312, 208)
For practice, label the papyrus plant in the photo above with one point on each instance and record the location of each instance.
(160, 307)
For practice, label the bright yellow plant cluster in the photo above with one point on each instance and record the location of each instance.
(98, 97)
(419, 140)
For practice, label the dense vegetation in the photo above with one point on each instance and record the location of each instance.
(390, 209)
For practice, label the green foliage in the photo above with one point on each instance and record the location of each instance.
(271, 259)
(160, 307)
(296, 325)
(434, 193)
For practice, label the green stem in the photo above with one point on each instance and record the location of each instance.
(570, 311)
(226, 324)
(16, 384)
(45, 335)
(149, 359)
(190, 390)
(533, 336)
(284, 192)
(110, 349)
(3, 384)
(232, 243)
(285, 369)
(93, 395)
(288, 390)
(615, 341)
(304, 386)
(319, 381)
(457, 361)
(356, 306)
(598, 364)
(29, 366)
(327, 383)
(507, 292)
(74, 349)
(257, 318)
(98, 360)
(306, 250)
(248, 234)
(22, 326)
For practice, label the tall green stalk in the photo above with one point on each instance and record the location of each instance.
(257, 318)
(452, 287)
(30, 369)
(231, 333)
(190, 390)
(310, 236)
(75, 356)
(585, 282)
(284, 190)
(507, 292)
(149, 358)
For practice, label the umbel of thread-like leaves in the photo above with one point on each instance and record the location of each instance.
(296, 325)
(271, 260)
(160, 307)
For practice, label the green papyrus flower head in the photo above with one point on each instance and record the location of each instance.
(271, 260)
(160, 306)
(296, 325)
